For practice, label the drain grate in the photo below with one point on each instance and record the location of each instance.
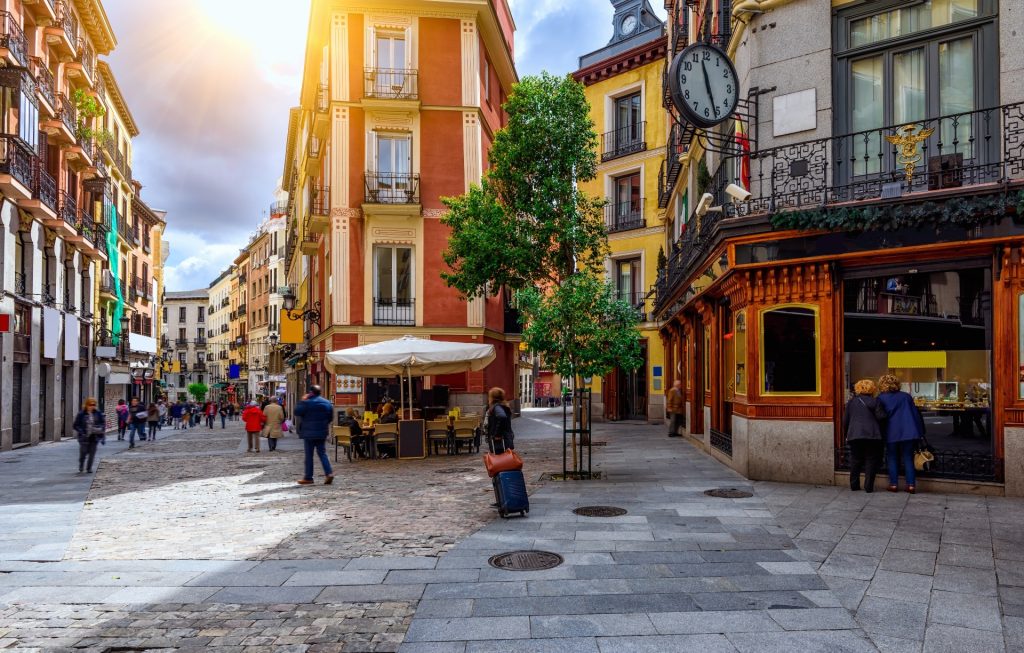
(728, 493)
(526, 560)
(455, 470)
(600, 511)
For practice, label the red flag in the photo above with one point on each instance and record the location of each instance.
(744, 143)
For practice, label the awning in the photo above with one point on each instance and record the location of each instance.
(412, 356)
(118, 378)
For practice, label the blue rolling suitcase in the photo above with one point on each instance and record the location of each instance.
(510, 493)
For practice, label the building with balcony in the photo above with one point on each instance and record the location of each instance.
(238, 351)
(880, 146)
(52, 236)
(623, 83)
(218, 329)
(186, 327)
(397, 109)
(258, 310)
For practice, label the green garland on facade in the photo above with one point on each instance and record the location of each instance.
(954, 212)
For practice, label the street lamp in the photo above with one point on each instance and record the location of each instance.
(288, 302)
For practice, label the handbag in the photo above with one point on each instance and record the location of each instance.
(923, 455)
(286, 426)
(502, 462)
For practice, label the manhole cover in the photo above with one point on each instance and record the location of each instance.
(728, 493)
(526, 560)
(600, 511)
(455, 470)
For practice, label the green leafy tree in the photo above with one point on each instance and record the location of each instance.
(198, 391)
(529, 228)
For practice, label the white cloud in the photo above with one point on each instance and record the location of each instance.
(195, 262)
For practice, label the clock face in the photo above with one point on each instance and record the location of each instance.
(628, 25)
(704, 85)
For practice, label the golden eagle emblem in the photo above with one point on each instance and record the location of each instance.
(906, 140)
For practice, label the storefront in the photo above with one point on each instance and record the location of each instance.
(770, 337)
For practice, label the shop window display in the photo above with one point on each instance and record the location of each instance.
(933, 331)
(790, 351)
(740, 340)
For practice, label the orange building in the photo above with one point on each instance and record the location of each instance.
(398, 108)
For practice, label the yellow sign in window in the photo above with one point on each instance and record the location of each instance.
(917, 359)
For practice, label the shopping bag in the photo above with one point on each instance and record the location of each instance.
(502, 462)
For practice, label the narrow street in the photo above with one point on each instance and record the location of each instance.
(165, 549)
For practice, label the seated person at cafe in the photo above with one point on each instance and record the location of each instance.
(389, 416)
(359, 441)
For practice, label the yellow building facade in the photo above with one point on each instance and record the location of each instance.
(623, 84)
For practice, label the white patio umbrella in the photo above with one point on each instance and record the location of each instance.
(410, 356)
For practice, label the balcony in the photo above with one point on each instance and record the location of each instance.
(391, 83)
(46, 87)
(181, 342)
(43, 10)
(638, 300)
(392, 188)
(65, 222)
(319, 218)
(199, 367)
(241, 309)
(321, 116)
(390, 311)
(623, 141)
(979, 149)
(624, 216)
(107, 287)
(223, 355)
(63, 34)
(80, 154)
(63, 127)
(83, 65)
(223, 328)
(679, 139)
(242, 277)
(13, 45)
(183, 366)
(43, 204)
(309, 245)
(15, 167)
(279, 208)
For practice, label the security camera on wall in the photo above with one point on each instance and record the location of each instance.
(737, 193)
(704, 204)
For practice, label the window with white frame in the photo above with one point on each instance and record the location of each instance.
(393, 285)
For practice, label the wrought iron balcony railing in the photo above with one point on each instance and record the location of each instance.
(16, 159)
(66, 19)
(391, 311)
(85, 57)
(68, 209)
(623, 216)
(623, 141)
(320, 200)
(68, 113)
(20, 287)
(955, 151)
(44, 186)
(44, 80)
(391, 83)
(12, 37)
(392, 188)
(323, 98)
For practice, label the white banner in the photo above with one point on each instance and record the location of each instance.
(51, 332)
(141, 343)
(71, 334)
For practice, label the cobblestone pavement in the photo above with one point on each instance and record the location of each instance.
(189, 543)
(929, 572)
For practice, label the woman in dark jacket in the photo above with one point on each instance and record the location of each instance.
(90, 425)
(499, 422)
(904, 426)
(863, 434)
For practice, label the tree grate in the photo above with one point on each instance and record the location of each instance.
(728, 493)
(600, 511)
(526, 560)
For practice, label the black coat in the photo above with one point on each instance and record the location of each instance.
(81, 425)
(861, 419)
(499, 422)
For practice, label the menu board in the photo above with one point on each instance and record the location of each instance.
(412, 439)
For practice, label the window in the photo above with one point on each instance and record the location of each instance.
(487, 79)
(790, 353)
(181, 313)
(393, 284)
(181, 380)
(165, 314)
(390, 50)
(182, 336)
(389, 78)
(739, 338)
(200, 334)
(201, 313)
(628, 206)
(918, 66)
(28, 121)
(628, 277)
(628, 124)
(181, 358)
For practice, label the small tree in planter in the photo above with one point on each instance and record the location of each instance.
(198, 391)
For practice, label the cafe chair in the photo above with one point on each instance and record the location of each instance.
(437, 434)
(343, 439)
(465, 432)
(387, 435)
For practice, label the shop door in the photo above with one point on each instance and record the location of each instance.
(19, 431)
(611, 396)
(724, 397)
(633, 398)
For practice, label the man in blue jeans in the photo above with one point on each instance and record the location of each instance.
(317, 416)
(136, 422)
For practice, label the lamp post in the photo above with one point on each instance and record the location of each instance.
(311, 314)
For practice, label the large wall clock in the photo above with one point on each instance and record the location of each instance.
(703, 84)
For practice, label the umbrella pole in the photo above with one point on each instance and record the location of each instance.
(401, 395)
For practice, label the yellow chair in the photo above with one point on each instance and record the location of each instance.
(465, 431)
(386, 434)
(343, 439)
(370, 417)
(437, 434)
(455, 412)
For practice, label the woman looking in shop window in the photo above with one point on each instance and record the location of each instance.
(903, 427)
(864, 434)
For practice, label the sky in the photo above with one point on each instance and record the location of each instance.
(210, 82)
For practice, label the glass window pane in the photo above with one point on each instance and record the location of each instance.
(403, 274)
(385, 273)
(904, 22)
(789, 351)
(385, 154)
(868, 113)
(908, 86)
(956, 95)
(403, 157)
(740, 339)
(707, 359)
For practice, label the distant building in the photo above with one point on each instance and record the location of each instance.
(186, 337)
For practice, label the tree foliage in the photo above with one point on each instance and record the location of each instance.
(529, 228)
(198, 391)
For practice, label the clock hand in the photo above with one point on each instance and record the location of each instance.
(707, 83)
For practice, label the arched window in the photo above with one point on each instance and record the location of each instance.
(790, 351)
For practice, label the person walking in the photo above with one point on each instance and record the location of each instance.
(903, 427)
(499, 422)
(137, 415)
(223, 414)
(864, 434)
(211, 413)
(152, 420)
(89, 426)
(122, 418)
(254, 420)
(161, 407)
(317, 415)
(176, 411)
(274, 415)
(676, 409)
(186, 415)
